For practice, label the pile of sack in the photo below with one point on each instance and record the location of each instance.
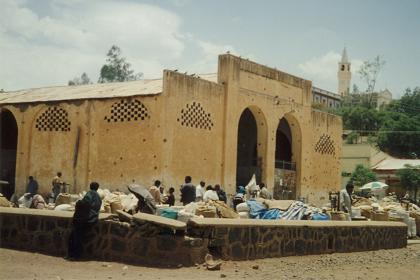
(390, 209)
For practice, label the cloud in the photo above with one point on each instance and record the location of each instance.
(208, 52)
(75, 36)
(322, 70)
(51, 43)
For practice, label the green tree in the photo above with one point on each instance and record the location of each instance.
(83, 80)
(362, 175)
(410, 178)
(117, 69)
(399, 135)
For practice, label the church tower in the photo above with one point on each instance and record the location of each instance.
(344, 75)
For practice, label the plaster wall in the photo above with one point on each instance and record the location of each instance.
(191, 128)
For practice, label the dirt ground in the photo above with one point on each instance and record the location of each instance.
(383, 264)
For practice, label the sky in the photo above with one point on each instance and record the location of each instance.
(49, 42)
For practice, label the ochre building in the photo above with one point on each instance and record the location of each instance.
(221, 128)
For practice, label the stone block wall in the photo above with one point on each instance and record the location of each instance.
(239, 240)
(47, 232)
(111, 240)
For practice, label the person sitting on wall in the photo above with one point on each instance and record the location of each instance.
(187, 191)
(210, 194)
(32, 186)
(220, 193)
(264, 193)
(85, 217)
(171, 197)
(155, 191)
(57, 184)
(345, 198)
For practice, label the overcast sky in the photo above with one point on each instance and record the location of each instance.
(48, 42)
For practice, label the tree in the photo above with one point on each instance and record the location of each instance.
(362, 175)
(410, 178)
(399, 135)
(83, 80)
(369, 72)
(117, 68)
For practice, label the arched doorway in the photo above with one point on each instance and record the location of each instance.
(285, 166)
(8, 147)
(249, 161)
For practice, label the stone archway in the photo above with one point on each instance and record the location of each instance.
(287, 158)
(251, 146)
(8, 148)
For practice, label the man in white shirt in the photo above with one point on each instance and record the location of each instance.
(345, 198)
(210, 194)
(199, 191)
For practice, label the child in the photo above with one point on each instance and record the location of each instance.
(171, 197)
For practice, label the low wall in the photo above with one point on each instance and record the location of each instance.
(235, 239)
(48, 232)
(250, 239)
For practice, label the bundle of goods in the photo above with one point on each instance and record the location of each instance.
(63, 198)
(280, 210)
(4, 202)
(243, 210)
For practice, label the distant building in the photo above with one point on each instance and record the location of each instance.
(326, 98)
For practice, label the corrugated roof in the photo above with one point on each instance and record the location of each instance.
(94, 91)
(395, 163)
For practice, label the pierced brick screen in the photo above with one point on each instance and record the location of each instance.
(325, 145)
(195, 116)
(127, 110)
(53, 119)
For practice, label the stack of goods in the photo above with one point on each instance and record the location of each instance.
(4, 202)
(280, 210)
(390, 209)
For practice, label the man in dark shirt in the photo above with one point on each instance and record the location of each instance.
(220, 193)
(171, 197)
(84, 218)
(32, 187)
(187, 191)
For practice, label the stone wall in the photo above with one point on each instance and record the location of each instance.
(253, 239)
(233, 239)
(111, 240)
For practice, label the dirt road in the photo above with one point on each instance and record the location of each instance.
(384, 264)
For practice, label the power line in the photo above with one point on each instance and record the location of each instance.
(389, 131)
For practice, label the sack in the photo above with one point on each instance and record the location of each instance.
(64, 207)
(169, 213)
(243, 215)
(63, 198)
(206, 211)
(379, 216)
(242, 207)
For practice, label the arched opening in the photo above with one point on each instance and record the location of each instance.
(8, 147)
(283, 144)
(285, 165)
(248, 162)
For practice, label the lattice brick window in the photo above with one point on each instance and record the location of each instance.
(127, 110)
(325, 145)
(53, 119)
(195, 116)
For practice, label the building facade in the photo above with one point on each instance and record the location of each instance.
(222, 128)
(325, 98)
